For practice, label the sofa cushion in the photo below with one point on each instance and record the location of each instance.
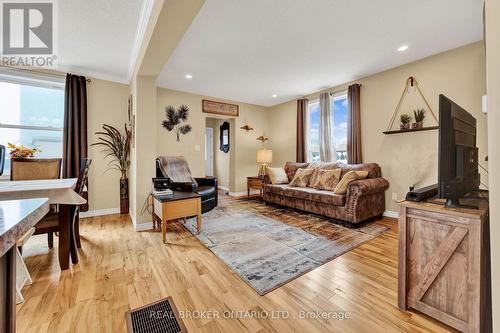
(348, 178)
(307, 193)
(302, 177)
(325, 165)
(325, 179)
(372, 168)
(292, 167)
(277, 176)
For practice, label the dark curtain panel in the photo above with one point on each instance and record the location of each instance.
(354, 155)
(75, 126)
(301, 120)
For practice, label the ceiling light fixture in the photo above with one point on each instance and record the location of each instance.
(274, 96)
(403, 48)
(189, 76)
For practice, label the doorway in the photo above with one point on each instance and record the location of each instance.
(217, 161)
(209, 151)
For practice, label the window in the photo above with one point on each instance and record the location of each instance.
(31, 114)
(339, 128)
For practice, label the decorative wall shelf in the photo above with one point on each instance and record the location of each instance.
(430, 128)
(411, 82)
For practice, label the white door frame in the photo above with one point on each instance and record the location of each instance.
(209, 151)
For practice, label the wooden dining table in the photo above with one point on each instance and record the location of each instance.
(60, 192)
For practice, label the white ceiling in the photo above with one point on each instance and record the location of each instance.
(249, 50)
(99, 37)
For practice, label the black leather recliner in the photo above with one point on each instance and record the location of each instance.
(206, 187)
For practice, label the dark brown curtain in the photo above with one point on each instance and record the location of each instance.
(354, 155)
(301, 120)
(75, 126)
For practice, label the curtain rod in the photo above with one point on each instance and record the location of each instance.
(336, 92)
(34, 71)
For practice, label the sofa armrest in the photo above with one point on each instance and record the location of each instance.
(183, 187)
(365, 199)
(367, 186)
(207, 181)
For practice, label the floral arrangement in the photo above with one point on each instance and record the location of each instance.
(22, 151)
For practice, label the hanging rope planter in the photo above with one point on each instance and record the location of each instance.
(411, 82)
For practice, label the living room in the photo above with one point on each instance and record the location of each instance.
(294, 215)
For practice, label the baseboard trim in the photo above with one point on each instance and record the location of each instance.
(391, 213)
(143, 226)
(132, 218)
(100, 212)
(224, 188)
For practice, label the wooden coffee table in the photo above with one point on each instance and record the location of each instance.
(180, 205)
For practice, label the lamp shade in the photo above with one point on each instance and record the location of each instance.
(264, 156)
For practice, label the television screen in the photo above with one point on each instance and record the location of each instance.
(458, 155)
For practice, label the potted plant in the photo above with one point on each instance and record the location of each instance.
(419, 118)
(405, 119)
(22, 151)
(117, 146)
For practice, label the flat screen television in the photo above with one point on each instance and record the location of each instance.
(458, 172)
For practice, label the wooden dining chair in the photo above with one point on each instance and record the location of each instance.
(38, 169)
(49, 224)
(79, 188)
(35, 168)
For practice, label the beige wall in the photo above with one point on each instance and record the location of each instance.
(405, 158)
(192, 146)
(107, 104)
(493, 87)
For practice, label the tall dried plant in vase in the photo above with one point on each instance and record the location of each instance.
(117, 147)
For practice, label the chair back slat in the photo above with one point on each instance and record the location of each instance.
(83, 176)
(35, 168)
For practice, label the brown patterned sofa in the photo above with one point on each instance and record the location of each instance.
(364, 198)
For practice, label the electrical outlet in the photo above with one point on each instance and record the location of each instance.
(197, 148)
(394, 196)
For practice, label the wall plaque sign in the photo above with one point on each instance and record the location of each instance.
(224, 109)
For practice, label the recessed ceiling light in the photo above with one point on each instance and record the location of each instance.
(189, 76)
(274, 96)
(403, 48)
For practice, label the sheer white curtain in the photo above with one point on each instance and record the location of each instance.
(326, 149)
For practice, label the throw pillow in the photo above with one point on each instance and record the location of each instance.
(325, 179)
(292, 167)
(348, 178)
(277, 176)
(302, 177)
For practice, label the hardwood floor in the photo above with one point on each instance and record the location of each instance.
(121, 269)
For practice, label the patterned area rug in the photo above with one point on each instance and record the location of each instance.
(268, 246)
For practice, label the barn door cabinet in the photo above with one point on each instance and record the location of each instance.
(444, 266)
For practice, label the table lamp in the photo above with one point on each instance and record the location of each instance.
(264, 156)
